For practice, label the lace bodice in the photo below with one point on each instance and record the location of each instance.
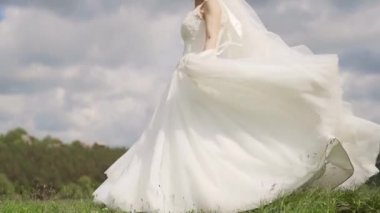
(193, 31)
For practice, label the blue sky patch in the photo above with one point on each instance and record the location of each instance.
(1, 13)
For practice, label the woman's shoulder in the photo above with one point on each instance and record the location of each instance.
(210, 6)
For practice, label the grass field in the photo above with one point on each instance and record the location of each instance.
(363, 200)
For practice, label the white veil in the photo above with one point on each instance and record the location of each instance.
(249, 36)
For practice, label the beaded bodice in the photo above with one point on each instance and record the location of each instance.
(193, 31)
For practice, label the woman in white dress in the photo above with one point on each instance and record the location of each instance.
(245, 119)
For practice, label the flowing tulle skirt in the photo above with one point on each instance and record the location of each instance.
(230, 134)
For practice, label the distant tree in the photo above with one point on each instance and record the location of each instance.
(87, 185)
(6, 186)
(15, 135)
(70, 191)
(51, 142)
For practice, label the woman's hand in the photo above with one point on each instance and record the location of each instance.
(212, 16)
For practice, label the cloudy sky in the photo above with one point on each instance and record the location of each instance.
(94, 70)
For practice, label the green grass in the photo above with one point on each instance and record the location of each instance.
(364, 199)
(51, 206)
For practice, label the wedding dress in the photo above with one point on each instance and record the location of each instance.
(232, 132)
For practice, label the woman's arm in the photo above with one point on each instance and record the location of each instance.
(212, 16)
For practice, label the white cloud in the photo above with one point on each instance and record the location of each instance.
(94, 80)
(363, 91)
(11, 105)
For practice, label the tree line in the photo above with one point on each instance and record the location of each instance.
(46, 168)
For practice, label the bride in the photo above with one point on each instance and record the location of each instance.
(245, 119)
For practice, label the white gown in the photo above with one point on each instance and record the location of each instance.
(229, 135)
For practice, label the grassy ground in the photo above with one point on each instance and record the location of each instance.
(363, 200)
